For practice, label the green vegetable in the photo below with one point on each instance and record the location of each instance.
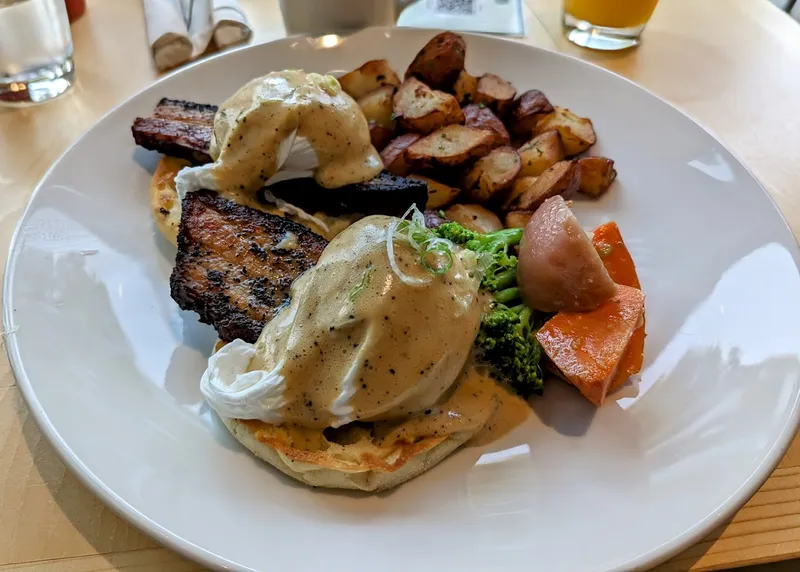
(506, 342)
(500, 268)
(366, 278)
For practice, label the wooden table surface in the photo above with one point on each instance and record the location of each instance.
(733, 65)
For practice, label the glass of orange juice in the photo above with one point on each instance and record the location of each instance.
(606, 24)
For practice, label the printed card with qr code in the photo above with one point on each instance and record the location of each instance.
(490, 16)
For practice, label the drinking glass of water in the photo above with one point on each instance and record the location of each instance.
(35, 51)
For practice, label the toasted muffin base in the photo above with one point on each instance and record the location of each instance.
(164, 203)
(361, 472)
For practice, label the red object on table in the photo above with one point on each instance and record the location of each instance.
(75, 9)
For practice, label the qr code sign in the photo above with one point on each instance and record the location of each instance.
(465, 7)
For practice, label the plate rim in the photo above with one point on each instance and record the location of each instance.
(657, 555)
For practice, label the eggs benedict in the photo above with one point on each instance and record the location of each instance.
(286, 124)
(362, 372)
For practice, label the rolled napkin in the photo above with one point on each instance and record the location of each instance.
(182, 30)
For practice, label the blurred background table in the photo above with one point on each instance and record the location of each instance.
(732, 65)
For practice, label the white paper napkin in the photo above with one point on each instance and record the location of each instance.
(182, 30)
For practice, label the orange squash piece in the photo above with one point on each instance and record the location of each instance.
(587, 347)
(608, 242)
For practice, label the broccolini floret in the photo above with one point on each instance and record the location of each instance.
(501, 271)
(506, 340)
(507, 344)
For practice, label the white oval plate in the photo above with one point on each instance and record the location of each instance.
(110, 367)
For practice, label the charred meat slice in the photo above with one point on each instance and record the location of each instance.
(184, 140)
(235, 264)
(385, 194)
(178, 128)
(186, 111)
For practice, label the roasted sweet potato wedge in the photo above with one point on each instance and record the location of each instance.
(449, 146)
(440, 61)
(367, 78)
(541, 153)
(421, 109)
(607, 240)
(588, 347)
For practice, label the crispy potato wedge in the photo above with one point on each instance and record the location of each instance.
(465, 88)
(541, 153)
(596, 175)
(449, 146)
(378, 108)
(474, 217)
(394, 154)
(528, 193)
(577, 133)
(419, 108)
(527, 110)
(492, 174)
(439, 194)
(518, 219)
(494, 92)
(367, 78)
(440, 61)
(481, 117)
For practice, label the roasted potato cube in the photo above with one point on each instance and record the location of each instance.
(577, 133)
(367, 78)
(481, 117)
(378, 109)
(494, 92)
(380, 136)
(449, 146)
(492, 174)
(530, 192)
(527, 110)
(440, 61)
(465, 88)
(596, 175)
(419, 108)
(518, 219)
(377, 105)
(439, 194)
(541, 153)
(474, 217)
(394, 155)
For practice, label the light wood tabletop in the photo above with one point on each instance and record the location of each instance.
(732, 65)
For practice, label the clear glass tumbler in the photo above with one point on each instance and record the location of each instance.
(35, 51)
(606, 24)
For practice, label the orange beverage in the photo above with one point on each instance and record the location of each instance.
(611, 13)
